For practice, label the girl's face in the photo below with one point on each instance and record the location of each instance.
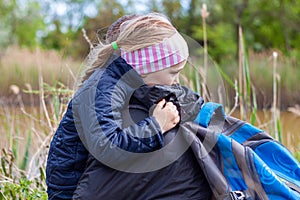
(168, 76)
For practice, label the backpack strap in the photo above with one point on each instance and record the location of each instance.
(211, 116)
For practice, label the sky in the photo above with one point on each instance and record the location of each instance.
(57, 9)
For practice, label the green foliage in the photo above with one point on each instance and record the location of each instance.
(275, 26)
(7, 16)
(253, 116)
(14, 185)
(57, 39)
(26, 154)
(21, 190)
(28, 23)
(270, 27)
(172, 8)
(21, 23)
(221, 41)
(278, 124)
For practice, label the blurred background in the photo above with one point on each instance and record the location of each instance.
(253, 45)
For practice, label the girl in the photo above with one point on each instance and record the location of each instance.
(67, 155)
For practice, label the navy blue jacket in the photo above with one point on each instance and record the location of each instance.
(181, 178)
(93, 113)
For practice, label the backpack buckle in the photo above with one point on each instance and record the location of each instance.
(237, 195)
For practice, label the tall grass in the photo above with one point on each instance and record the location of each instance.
(29, 125)
(20, 66)
(24, 153)
(261, 73)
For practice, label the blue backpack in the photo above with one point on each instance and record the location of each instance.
(241, 161)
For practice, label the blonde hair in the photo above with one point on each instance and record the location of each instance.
(114, 29)
(139, 32)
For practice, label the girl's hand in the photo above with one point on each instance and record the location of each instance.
(166, 115)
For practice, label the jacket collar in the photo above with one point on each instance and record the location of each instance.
(188, 103)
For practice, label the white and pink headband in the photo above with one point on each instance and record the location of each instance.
(168, 53)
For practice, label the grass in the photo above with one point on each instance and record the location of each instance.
(261, 78)
(27, 135)
(33, 101)
(21, 66)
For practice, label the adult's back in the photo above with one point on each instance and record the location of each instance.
(182, 179)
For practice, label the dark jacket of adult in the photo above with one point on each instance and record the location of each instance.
(172, 172)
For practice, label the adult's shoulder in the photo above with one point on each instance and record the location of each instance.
(116, 64)
(189, 92)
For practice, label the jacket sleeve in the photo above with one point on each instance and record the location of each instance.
(96, 110)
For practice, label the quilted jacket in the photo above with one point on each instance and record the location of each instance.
(146, 177)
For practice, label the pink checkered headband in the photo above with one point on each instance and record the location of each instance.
(168, 53)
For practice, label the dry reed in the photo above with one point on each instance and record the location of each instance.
(19, 66)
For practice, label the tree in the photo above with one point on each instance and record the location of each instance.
(7, 17)
(20, 23)
(274, 25)
(96, 27)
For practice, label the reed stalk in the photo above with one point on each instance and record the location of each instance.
(204, 15)
(276, 111)
(236, 98)
(253, 117)
(244, 78)
(43, 109)
(275, 95)
(241, 58)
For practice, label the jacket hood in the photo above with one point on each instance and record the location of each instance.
(188, 103)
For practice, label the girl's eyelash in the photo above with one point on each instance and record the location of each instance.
(176, 72)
